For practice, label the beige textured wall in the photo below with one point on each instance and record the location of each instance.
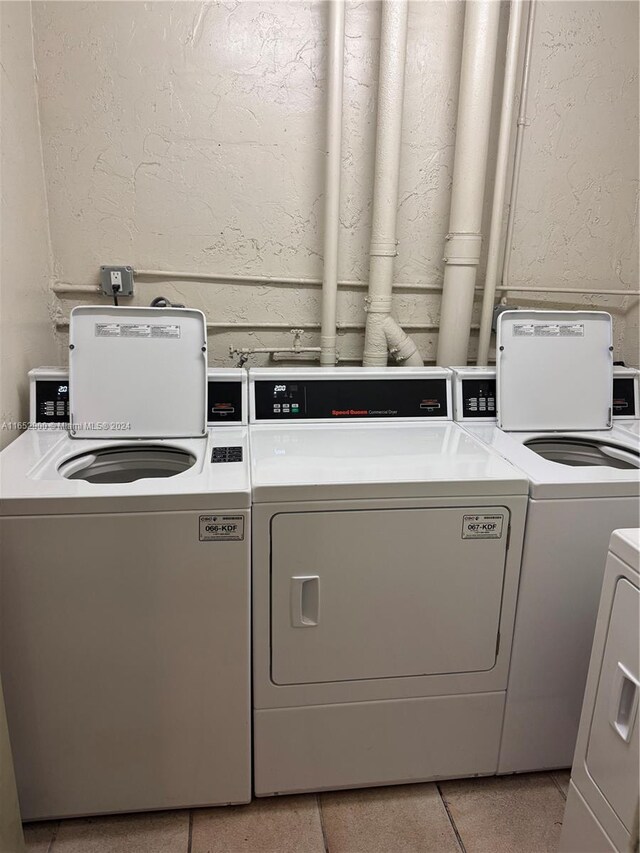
(189, 136)
(26, 327)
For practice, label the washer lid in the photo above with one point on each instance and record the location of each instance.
(137, 372)
(554, 370)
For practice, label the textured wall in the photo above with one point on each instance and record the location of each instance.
(26, 330)
(577, 214)
(189, 136)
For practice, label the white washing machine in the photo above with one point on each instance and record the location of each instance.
(386, 556)
(602, 805)
(554, 368)
(125, 624)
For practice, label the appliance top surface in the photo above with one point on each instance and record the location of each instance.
(551, 479)
(375, 460)
(29, 472)
(625, 544)
(630, 426)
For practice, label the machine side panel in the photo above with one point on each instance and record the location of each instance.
(125, 660)
(563, 562)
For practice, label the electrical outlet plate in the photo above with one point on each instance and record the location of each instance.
(119, 277)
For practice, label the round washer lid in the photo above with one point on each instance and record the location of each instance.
(554, 370)
(137, 372)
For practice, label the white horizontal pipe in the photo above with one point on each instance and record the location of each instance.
(287, 327)
(272, 281)
(252, 350)
(335, 64)
(500, 180)
(601, 291)
(462, 254)
(61, 289)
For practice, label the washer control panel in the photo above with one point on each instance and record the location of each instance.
(354, 399)
(51, 401)
(478, 398)
(624, 397)
(49, 392)
(224, 402)
(475, 393)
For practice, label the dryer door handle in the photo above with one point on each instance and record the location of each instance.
(305, 601)
(624, 702)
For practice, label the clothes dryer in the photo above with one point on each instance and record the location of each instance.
(583, 484)
(386, 555)
(602, 805)
(125, 562)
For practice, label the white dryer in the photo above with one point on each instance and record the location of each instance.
(554, 368)
(602, 805)
(386, 556)
(125, 565)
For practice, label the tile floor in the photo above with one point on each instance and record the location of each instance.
(512, 814)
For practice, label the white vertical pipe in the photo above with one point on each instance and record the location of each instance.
(335, 66)
(464, 240)
(500, 184)
(393, 49)
(523, 121)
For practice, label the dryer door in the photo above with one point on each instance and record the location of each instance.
(612, 751)
(364, 594)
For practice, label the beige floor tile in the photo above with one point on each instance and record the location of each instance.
(506, 814)
(562, 778)
(398, 819)
(151, 832)
(270, 825)
(38, 836)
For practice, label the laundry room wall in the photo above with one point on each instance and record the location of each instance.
(26, 325)
(190, 136)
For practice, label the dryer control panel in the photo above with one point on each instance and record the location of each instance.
(350, 397)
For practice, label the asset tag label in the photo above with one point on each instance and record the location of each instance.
(482, 526)
(217, 528)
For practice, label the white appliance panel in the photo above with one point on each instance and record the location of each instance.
(581, 830)
(355, 744)
(126, 662)
(386, 593)
(563, 563)
(614, 746)
(141, 367)
(554, 370)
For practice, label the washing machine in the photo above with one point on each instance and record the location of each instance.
(602, 805)
(550, 414)
(125, 545)
(386, 558)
